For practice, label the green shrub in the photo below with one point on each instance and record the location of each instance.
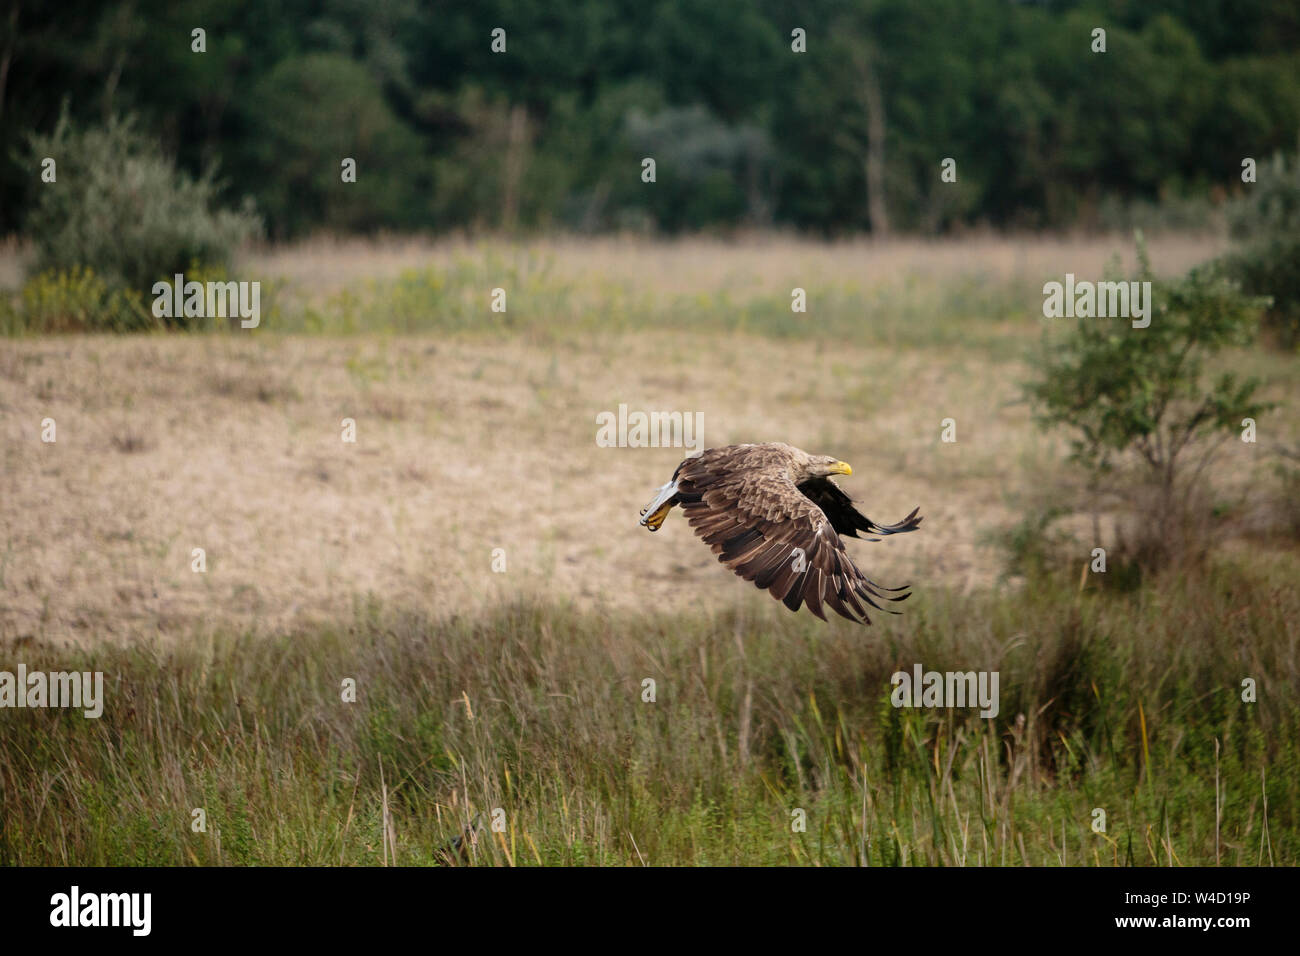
(1135, 397)
(121, 210)
(1267, 221)
(11, 322)
(1288, 475)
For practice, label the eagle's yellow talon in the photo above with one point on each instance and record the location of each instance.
(657, 519)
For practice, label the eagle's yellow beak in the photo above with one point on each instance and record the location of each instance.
(842, 468)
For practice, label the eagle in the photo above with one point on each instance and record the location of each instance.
(772, 514)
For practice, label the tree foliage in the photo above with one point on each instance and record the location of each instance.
(1044, 131)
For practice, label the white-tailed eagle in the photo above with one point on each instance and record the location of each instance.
(771, 513)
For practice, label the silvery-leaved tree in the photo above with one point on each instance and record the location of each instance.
(1141, 402)
(121, 209)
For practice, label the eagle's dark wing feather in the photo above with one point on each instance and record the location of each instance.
(763, 528)
(846, 519)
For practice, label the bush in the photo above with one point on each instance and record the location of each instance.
(1288, 474)
(1135, 397)
(78, 300)
(122, 212)
(1267, 263)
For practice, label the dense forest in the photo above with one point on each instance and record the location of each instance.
(841, 127)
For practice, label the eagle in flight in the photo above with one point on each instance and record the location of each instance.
(773, 515)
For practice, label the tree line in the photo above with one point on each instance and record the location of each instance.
(829, 116)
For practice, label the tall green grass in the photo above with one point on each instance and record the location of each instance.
(1126, 703)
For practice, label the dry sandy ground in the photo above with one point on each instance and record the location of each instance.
(464, 445)
(169, 444)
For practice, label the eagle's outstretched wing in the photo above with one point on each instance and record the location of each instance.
(846, 519)
(766, 530)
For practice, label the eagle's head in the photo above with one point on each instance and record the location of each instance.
(823, 466)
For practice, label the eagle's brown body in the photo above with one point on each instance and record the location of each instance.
(771, 513)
